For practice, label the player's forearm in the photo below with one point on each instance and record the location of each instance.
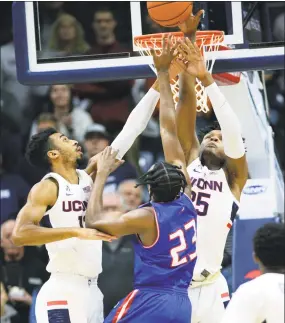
(34, 235)
(186, 113)
(136, 123)
(167, 110)
(229, 123)
(94, 210)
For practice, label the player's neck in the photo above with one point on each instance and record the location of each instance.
(68, 172)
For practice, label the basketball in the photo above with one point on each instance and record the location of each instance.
(169, 14)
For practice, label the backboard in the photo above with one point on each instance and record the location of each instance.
(253, 47)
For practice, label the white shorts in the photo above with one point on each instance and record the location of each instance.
(68, 298)
(209, 301)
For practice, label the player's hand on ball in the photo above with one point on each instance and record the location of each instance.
(162, 62)
(93, 234)
(107, 161)
(190, 26)
(193, 58)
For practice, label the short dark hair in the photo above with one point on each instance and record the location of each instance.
(39, 145)
(104, 9)
(269, 245)
(166, 182)
(214, 126)
(202, 133)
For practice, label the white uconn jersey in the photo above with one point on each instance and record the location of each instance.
(257, 301)
(76, 256)
(216, 208)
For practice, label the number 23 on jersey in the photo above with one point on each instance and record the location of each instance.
(180, 234)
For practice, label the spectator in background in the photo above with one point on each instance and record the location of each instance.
(8, 313)
(26, 96)
(116, 279)
(14, 191)
(21, 271)
(67, 37)
(45, 121)
(96, 140)
(31, 174)
(72, 120)
(132, 197)
(111, 100)
(49, 11)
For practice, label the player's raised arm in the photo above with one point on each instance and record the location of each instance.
(236, 165)
(134, 126)
(186, 117)
(136, 122)
(172, 149)
(27, 230)
(186, 108)
(114, 223)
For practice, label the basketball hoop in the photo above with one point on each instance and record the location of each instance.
(207, 41)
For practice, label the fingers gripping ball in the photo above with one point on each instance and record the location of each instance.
(169, 13)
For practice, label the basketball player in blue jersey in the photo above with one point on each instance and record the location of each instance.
(164, 229)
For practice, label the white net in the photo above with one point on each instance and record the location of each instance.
(210, 43)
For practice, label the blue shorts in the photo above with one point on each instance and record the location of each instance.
(152, 306)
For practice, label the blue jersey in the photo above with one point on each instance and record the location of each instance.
(170, 261)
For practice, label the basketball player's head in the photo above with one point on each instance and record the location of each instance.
(50, 148)
(165, 182)
(212, 152)
(269, 247)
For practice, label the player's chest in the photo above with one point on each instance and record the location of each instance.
(74, 198)
(211, 196)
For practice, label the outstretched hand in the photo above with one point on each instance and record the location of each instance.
(162, 62)
(193, 57)
(191, 24)
(107, 161)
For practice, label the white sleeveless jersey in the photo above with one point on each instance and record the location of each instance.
(216, 207)
(76, 256)
(257, 301)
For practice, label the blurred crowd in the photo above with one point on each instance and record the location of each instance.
(92, 114)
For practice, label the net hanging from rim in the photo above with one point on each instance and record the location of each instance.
(207, 41)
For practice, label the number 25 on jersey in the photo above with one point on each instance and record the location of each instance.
(180, 234)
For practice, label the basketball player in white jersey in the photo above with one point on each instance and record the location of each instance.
(218, 172)
(55, 215)
(262, 299)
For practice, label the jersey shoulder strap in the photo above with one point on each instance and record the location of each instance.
(84, 176)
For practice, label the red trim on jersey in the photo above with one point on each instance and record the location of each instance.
(123, 309)
(158, 232)
(229, 225)
(225, 295)
(52, 303)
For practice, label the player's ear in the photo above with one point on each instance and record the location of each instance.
(53, 154)
(255, 258)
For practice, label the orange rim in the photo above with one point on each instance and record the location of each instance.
(146, 41)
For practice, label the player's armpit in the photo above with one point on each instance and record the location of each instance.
(133, 222)
(27, 230)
